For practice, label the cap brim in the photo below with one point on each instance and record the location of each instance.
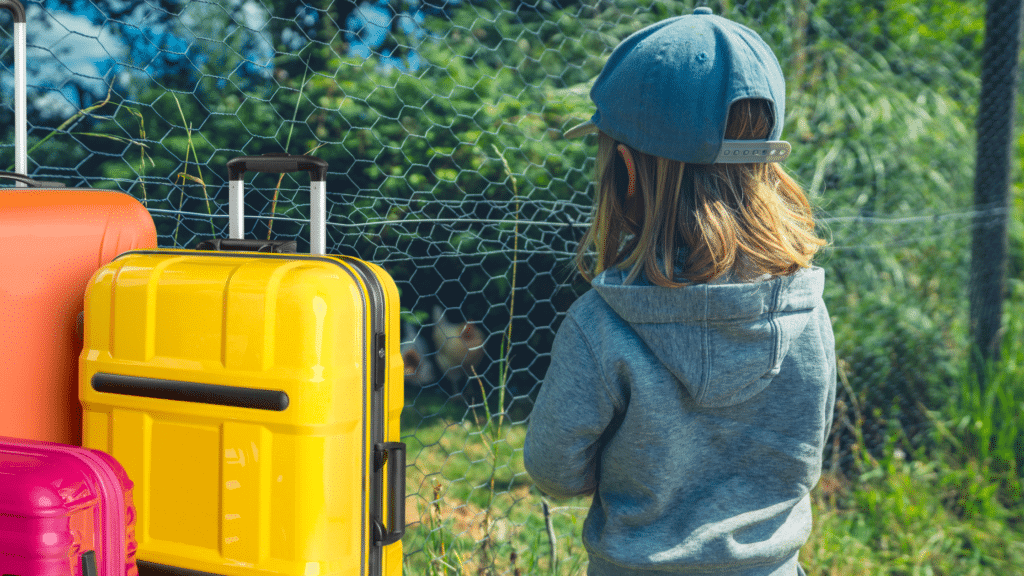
(583, 129)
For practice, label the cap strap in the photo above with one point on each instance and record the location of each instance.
(750, 151)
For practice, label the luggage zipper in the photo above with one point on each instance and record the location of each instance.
(378, 372)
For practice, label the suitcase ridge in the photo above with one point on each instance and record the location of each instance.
(171, 256)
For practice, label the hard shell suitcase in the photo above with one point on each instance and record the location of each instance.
(255, 399)
(64, 511)
(53, 240)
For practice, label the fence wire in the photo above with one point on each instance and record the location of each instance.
(441, 123)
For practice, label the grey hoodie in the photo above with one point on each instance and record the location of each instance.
(697, 418)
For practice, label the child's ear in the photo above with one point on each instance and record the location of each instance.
(625, 171)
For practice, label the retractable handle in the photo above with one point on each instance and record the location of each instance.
(20, 106)
(278, 163)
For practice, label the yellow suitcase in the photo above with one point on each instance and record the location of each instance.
(254, 397)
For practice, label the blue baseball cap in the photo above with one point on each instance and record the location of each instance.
(666, 90)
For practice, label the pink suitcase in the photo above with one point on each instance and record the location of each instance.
(64, 511)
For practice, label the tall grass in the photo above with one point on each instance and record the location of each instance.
(984, 429)
(956, 508)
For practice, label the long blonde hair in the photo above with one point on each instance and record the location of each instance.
(744, 219)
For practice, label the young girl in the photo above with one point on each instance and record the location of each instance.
(691, 391)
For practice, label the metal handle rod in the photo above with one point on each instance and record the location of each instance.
(317, 214)
(20, 104)
(17, 10)
(278, 163)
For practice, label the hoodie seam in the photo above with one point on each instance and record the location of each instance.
(599, 367)
(773, 313)
(705, 353)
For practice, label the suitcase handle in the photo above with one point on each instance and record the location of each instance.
(15, 8)
(29, 181)
(248, 245)
(278, 163)
(20, 107)
(394, 454)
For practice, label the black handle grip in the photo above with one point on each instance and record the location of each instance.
(195, 392)
(16, 9)
(29, 181)
(392, 453)
(249, 245)
(277, 163)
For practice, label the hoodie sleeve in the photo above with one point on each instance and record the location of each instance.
(572, 411)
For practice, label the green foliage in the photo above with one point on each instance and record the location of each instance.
(957, 507)
(984, 427)
(895, 518)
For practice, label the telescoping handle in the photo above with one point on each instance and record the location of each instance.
(20, 110)
(278, 163)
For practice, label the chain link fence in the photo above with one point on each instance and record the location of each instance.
(441, 122)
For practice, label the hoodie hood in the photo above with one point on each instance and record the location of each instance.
(696, 415)
(724, 342)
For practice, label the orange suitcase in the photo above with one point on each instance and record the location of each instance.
(53, 240)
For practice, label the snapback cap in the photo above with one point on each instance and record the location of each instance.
(666, 90)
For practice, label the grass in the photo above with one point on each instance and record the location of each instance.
(471, 508)
(897, 519)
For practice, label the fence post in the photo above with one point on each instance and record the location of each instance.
(992, 177)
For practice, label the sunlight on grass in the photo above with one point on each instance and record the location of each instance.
(449, 489)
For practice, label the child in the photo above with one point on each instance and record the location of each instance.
(691, 391)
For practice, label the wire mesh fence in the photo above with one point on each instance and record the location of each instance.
(441, 122)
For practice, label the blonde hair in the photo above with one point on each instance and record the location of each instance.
(744, 219)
